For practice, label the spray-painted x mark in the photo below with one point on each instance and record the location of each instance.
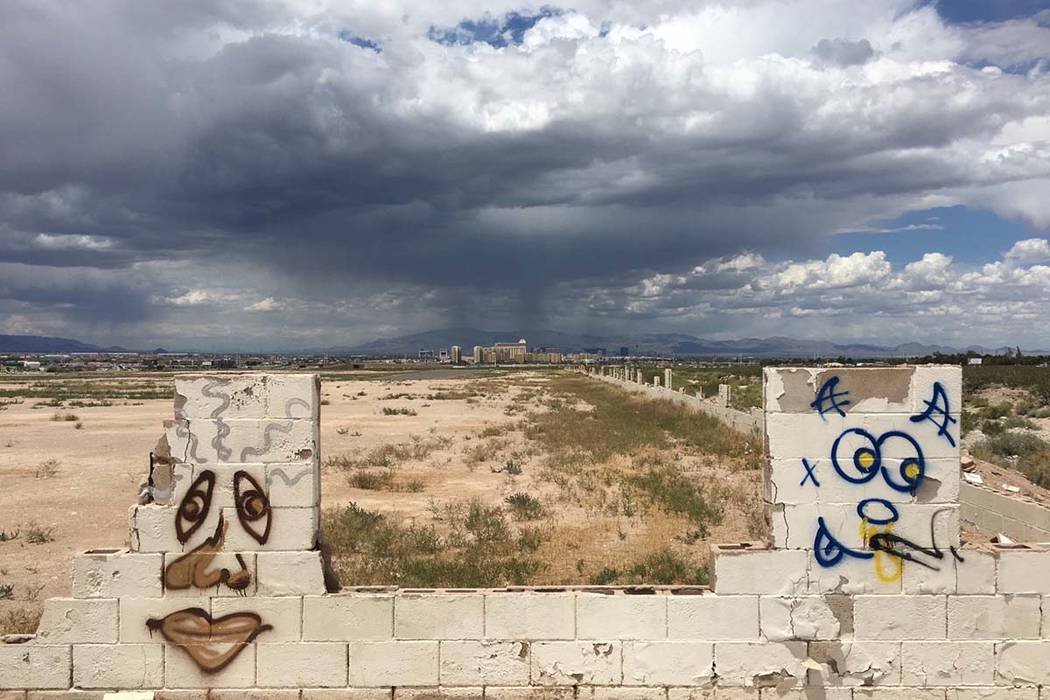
(810, 475)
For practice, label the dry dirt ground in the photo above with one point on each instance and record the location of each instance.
(464, 439)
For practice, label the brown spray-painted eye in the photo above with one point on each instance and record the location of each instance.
(252, 506)
(194, 506)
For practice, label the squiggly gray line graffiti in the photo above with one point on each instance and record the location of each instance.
(191, 444)
(222, 431)
(289, 482)
(295, 402)
(267, 441)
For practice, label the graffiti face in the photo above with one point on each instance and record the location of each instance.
(213, 644)
(874, 461)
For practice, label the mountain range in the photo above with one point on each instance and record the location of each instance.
(650, 344)
(48, 344)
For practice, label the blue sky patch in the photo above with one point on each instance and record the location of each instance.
(967, 235)
(497, 32)
(360, 41)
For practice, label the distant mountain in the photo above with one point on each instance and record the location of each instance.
(47, 344)
(661, 344)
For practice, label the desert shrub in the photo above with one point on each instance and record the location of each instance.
(662, 567)
(523, 506)
(671, 491)
(7, 591)
(36, 534)
(387, 411)
(19, 621)
(512, 467)
(47, 469)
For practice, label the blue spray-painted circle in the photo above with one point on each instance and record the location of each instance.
(915, 464)
(865, 508)
(865, 474)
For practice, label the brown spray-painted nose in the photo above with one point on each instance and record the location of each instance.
(192, 570)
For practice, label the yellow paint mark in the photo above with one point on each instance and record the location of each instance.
(867, 531)
(866, 459)
(912, 471)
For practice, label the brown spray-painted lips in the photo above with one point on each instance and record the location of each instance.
(212, 643)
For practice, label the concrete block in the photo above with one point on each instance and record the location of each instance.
(348, 617)
(347, 694)
(293, 485)
(181, 671)
(948, 664)
(993, 617)
(294, 396)
(807, 617)
(293, 529)
(72, 621)
(806, 694)
(135, 611)
(180, 695)
(439, 616)
(112, 574)
(151, 528)
(253, 694)
(220, 396)
(898, 694)
(576, 663)
(118, 666)
(283, 614)
(522, 615)
(667, 663)
(302, 664)
(855, 576)
(289, 573)
(223, 560)
(922, 580)
(439, 693)
(759, 571)
(950, 379)
(600, 693)
(1024, 569)
(238, 441)
(717, 693)
(529, 693)
(1022, 663)
(600, 616)
(750, 664)
(900, 617)
(993, 694)
(31, 665)
(72, 694)
(380, 664)
(484, 663)
(712, 617)
(845, 663)
(976, 573)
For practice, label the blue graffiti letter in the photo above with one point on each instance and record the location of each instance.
(938, 406)
(810, 475)
(827, 394)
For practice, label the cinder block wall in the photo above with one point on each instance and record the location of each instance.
(821, 612)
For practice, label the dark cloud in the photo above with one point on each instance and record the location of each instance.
(216, 164)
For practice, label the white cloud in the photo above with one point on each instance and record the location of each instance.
(1031, 250)
(72, 241)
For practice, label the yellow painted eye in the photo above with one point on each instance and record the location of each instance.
(911, 471)
(865, 459)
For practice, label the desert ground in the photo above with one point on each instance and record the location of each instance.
(450, 479)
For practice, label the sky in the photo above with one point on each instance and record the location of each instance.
(285, 174)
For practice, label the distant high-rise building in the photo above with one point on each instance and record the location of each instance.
(457, 355)
(624, 351)
(477, 354)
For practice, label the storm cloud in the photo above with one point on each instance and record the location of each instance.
(237, 173)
